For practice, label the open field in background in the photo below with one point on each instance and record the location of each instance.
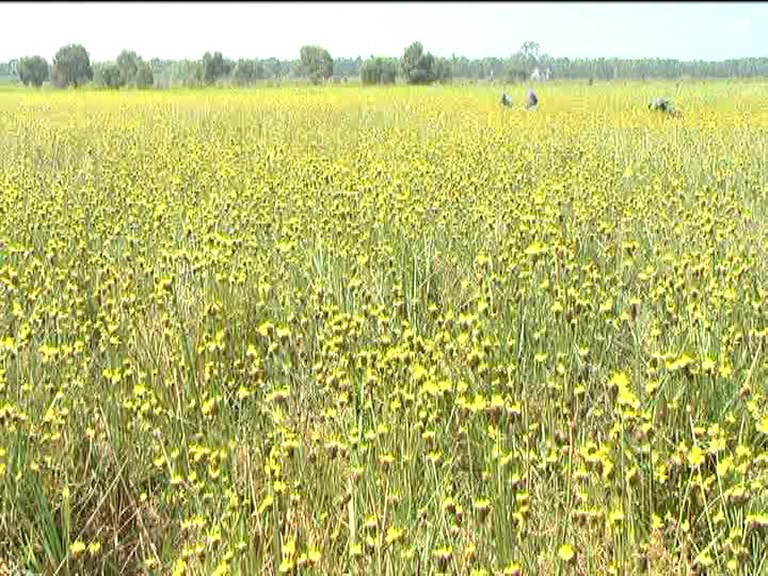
(384, 331)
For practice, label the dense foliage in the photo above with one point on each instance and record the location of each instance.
(414, 66)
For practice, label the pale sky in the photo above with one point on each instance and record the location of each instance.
(685, 31)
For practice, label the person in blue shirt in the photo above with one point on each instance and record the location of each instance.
(532, 101)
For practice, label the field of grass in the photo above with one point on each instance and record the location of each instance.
(384, 331)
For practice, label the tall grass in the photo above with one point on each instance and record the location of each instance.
(384, 331)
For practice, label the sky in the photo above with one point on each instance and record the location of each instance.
(684, 31)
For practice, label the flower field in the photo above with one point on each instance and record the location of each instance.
(384, 331)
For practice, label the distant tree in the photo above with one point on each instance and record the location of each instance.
(347, 67)
(194, 74)
(72, 65)
(128, 64)
(294, 69)
(145, 78)
(247, 72)
(530, 50)
(243, 73)
(229, 67)
(416, 66)
(369, 73)
(186, 72)
(426, 68)
(378, 71)
(108, 75)
(214, 67)
(316, 63)
(274, 68)
(259, 70)
(32, 70)
(442, 71)
(515, 70)
(388, 70)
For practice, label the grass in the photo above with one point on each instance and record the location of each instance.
(388, 330)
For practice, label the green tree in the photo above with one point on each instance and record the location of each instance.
(274, 68)
(214, 67)
(128, 64)
(378, 71)
(370, 72)
(10, 68)
(186, 72)
(516, 70)
(442, 71)
(416, 66)
(521, 65)
(144, 76)
(72, 65)
(108, 75)
(247, 72)
(530, 50)
(343, 67)
(316, 63)
(194, 74)
(32, 70)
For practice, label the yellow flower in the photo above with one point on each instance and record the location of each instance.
(179, 567)
(566, 553)
(314, 555)
(619, 379)
(77, 548)
(393, 534)
(696, 456)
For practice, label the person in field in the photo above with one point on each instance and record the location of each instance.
(532, 101)
(505, 99)
(664, 105)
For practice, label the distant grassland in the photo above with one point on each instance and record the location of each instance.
(384, 330)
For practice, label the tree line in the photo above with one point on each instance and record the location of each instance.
(71, 66)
